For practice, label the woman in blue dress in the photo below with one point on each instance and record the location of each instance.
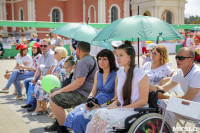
(103, 90)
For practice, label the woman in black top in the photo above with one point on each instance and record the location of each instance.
(1, 49)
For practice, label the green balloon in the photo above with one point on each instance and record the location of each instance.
(50, 82)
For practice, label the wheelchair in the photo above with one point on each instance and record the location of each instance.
(147, 120)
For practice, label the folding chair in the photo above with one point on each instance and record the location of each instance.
(183, 107)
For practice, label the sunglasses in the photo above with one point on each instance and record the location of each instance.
(43, 46)
(153, 53)
(56, 52)
(115, 47)
(181, 57)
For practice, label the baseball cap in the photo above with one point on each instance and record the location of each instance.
(191, 34)
(20, 46)
(36, 44)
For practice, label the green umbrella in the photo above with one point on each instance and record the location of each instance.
(81, 32)
(196, 28)
(138, 28)
(142, 27)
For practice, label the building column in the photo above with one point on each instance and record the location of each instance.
(158, 13)
(154, 11)
(101, 11)
(3, 15)
(126, 8)
(84, 10)
(13, 15)
(31, 10)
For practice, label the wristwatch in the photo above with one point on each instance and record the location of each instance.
(110, 101)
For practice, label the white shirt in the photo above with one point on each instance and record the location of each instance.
(48, 61)
(27, 58)
(143, 43)
(11, 41)
(156, 75)
(188, 42)
(138, 74)
(192, 79)
(94, 50)
(22, 41)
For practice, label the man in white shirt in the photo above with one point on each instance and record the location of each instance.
(188, 76)
(189, 41)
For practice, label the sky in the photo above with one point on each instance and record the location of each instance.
(192, 8)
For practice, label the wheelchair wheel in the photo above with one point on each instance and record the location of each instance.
(150, 123)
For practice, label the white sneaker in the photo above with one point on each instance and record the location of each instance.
(18, 98)
(4, 91)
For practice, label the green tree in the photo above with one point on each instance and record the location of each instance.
(196, 21)
(191, 19)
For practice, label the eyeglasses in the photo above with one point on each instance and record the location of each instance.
(56, 52)
(43, 46)
(153, 53)
(181, 57)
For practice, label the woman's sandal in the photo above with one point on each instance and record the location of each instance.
(50, 115)
(39, 113)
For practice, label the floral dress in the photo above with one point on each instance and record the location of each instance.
(36, 62)
(39, 93)
(60, 68)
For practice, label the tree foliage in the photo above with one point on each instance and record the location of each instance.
(196, 21)
(192, 20)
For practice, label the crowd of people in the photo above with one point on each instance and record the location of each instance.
(192, 41)
(102, 90)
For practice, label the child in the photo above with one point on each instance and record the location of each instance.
(65, 77)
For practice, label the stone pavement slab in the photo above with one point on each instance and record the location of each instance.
(14, 119)
(10, 122)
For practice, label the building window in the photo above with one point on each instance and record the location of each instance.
(114, 13)
(92, 14)
(55, 15)
(169, 17)
(21, 15)
(147, 13)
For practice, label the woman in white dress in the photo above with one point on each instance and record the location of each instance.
(132, 92)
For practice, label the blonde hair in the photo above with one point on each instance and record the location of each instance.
(62, 51)
(46, 40)
(162, 50)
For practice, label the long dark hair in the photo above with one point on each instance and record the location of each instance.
(111, 58)
(127, 88)
(39, 51)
